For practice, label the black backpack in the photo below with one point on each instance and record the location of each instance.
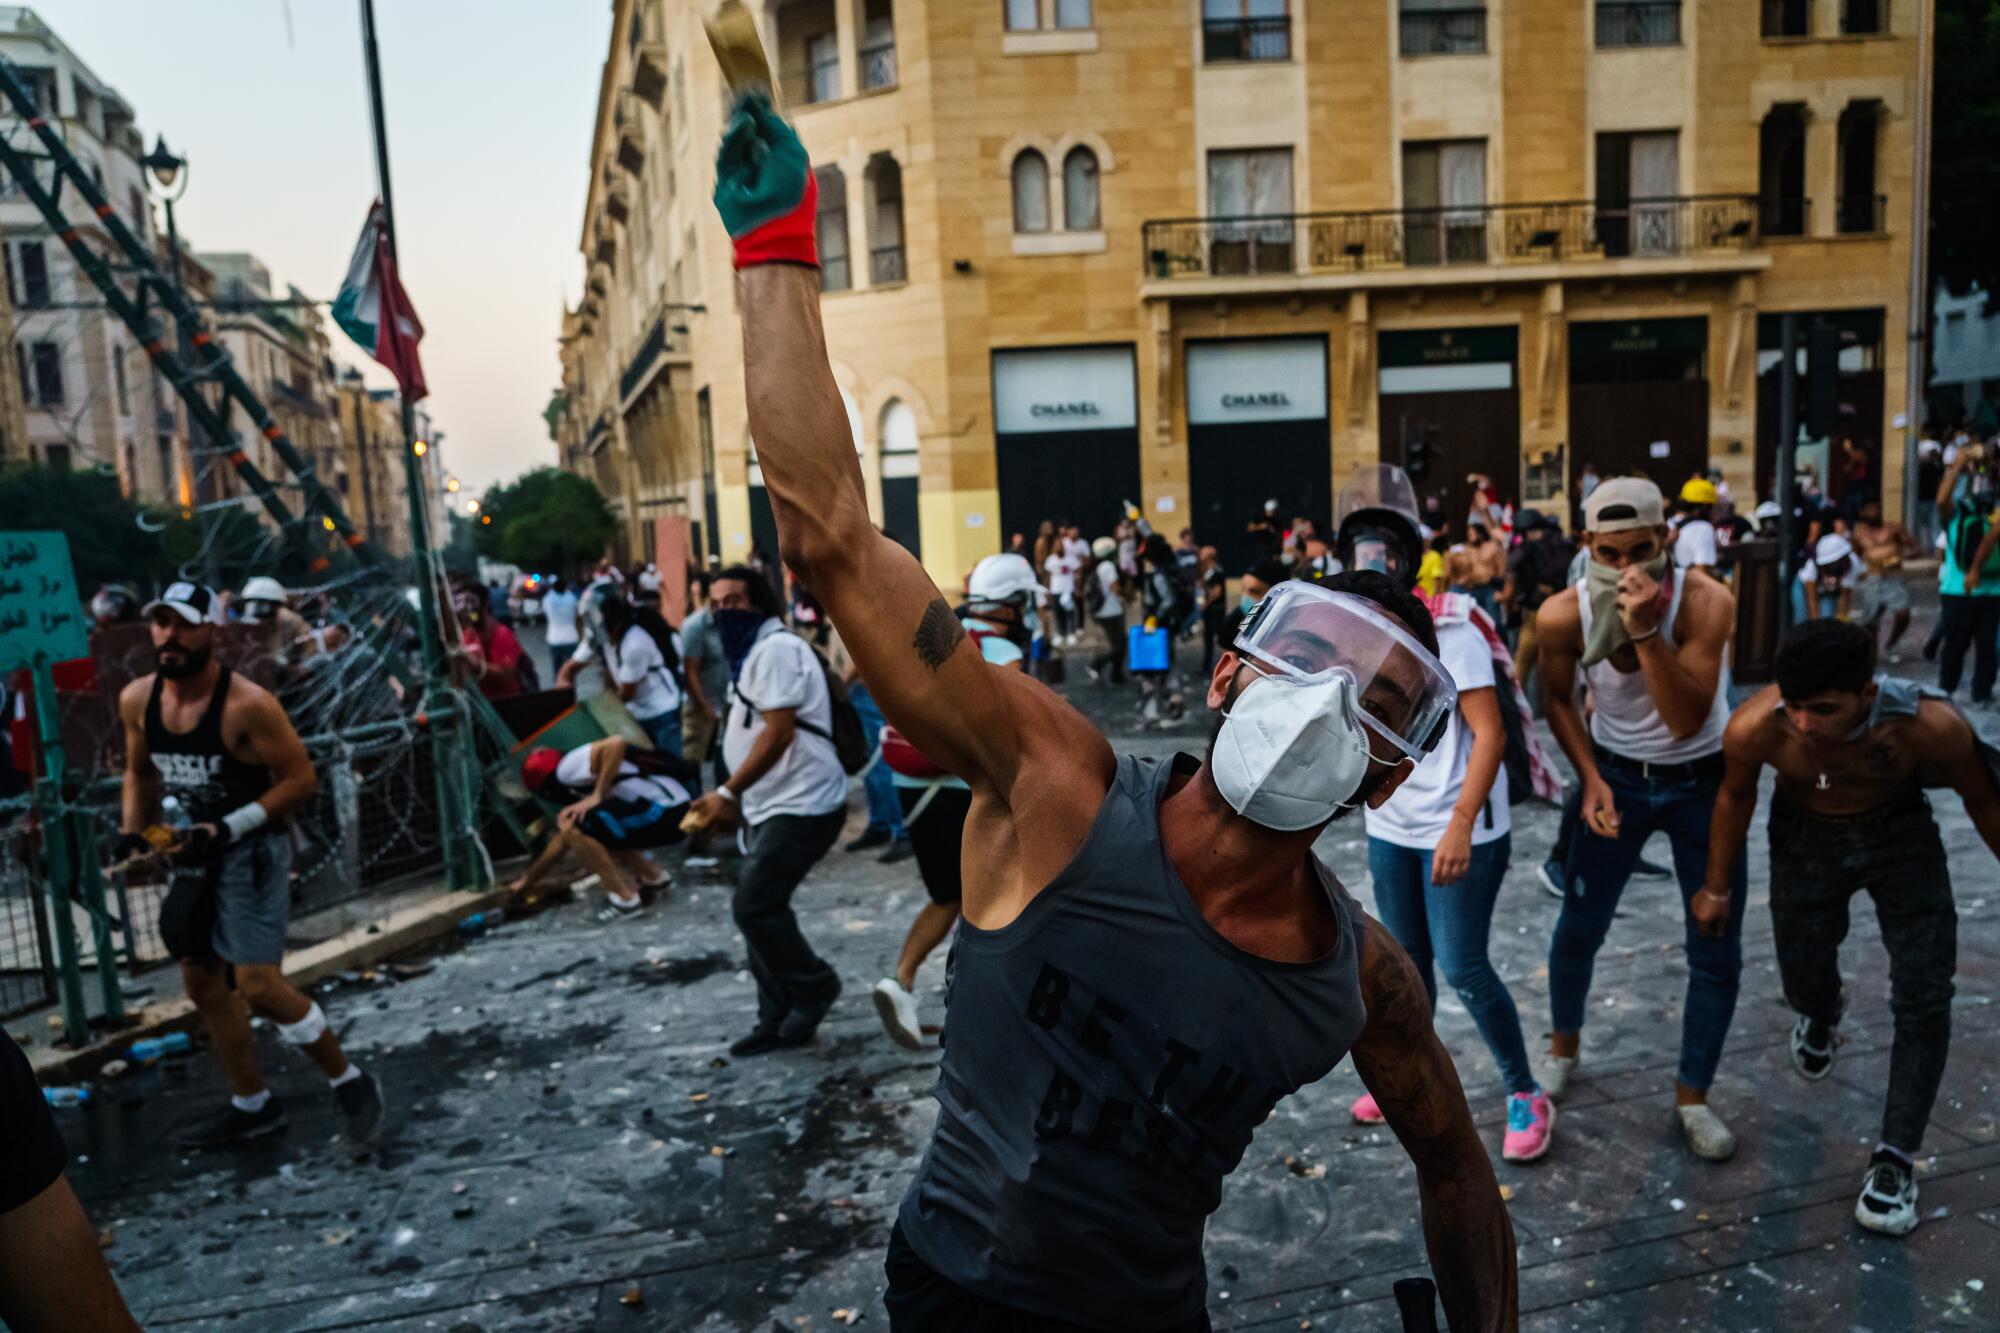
(850, 739)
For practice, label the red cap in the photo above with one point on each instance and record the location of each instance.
(539, 767)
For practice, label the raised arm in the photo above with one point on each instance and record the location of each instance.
(1466, 1228)
(1682, 677)
(925, 673)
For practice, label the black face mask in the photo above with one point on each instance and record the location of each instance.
(190, 662)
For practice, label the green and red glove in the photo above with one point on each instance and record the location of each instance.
(764, 188)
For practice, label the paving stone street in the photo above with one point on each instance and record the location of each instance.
(575, 1150)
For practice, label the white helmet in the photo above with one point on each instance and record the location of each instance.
(263, 588)
(1769, 509)
(1001, 578)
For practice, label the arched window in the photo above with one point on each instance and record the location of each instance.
(830, 228)
(1031, 192)
(1080, 211)
(899, 429)
(883, 185)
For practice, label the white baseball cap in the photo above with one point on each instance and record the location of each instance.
(263, 588)
(1830, 548)
(192, 602)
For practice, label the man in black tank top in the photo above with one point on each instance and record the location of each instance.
(222, 747)
(1150, 955)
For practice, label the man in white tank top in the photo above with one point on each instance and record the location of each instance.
(1651, 641)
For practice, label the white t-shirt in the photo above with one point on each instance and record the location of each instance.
(782, 672)
(1077, 549)
(1696, 544)
(1420, 811)
(1809, 573)
(1109, 604)
(560, 608)
(639, 663)
(1062, 575)
(574, 772)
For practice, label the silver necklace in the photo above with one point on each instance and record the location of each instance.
(1822, 784)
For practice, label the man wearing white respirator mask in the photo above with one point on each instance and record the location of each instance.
(1150, 956)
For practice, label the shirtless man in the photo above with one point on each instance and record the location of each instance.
(1649, 640)
(1883, 546)
(1479, 569)
(221, 745)
(1113, 1042)
(1851, 750)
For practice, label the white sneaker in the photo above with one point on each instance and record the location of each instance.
(1812, 1049)
(1707, 1136)
(1556, 1072)
(1888, 1201)
(898, 1009)
(1552, 885)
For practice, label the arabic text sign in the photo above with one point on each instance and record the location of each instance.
(39, 611)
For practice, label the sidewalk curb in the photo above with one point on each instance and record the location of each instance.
(393, 934)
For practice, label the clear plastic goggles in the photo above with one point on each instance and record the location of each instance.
(1305, 632)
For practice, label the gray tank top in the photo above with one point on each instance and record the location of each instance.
(1107, 1056)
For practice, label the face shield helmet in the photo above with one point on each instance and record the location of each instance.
(1376, 524)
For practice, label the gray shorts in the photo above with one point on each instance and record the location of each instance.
(253, 898)
(1877, 593)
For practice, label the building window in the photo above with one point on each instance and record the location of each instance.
(47, 362)
(1782, 207)
(118, 380)
(822, 67)
(1444, 202)
(1244, 186)
(34, 275)
(140, 216)
(1031, 192)
(1863, 17)
(1080, 210)
(830, 227)
(884, 185)
(878, 46)
(1033, 15)
(1245, 30)
(1441, 27)
(1638, 179)
(56, 456)
(1788, 18)
(1861, 209)
(1638, 22)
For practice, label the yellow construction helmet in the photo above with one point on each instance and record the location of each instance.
(1698, 491)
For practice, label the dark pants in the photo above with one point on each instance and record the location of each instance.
(788, 973)
(1598, 870)
(1112, 660)
(558, 654)
(1969, 622)
(1817, 865)
(922, 1300)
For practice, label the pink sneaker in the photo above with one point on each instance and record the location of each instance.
(1365, 1111)
(1531, 1119)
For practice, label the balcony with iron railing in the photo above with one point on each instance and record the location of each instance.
(1443, 32)
(1861, 214)
(1638, 23)
(1783, 215)
(1416, 239)
(1232, 39)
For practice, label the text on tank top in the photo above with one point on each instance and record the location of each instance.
(1625, 720)
(1107, 1057)
(196, 767)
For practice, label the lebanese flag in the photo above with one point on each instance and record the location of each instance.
(375, 311)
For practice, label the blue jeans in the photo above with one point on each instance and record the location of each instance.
(1598, 870)
(885, 811)
(1450, 924)
(665, 729)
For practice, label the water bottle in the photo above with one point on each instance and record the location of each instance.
(61, 1097)
(153, 1048)
(480, 922)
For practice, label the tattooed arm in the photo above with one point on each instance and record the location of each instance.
(1466, 1229)
(926, 674)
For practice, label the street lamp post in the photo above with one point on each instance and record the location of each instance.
(167, 168)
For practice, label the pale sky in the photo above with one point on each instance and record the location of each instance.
(490, 107)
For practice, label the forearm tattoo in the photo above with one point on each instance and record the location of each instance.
(938, 635)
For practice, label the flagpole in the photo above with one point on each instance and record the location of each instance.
(460, 869)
